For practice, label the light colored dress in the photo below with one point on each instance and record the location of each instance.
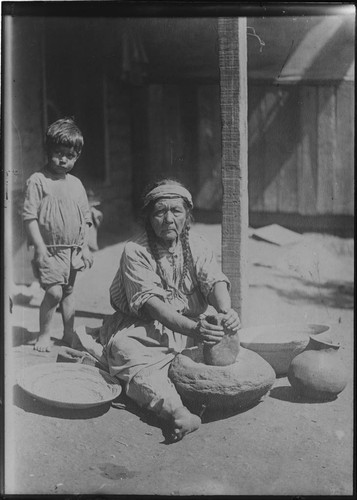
(139, 350)
(61, 208)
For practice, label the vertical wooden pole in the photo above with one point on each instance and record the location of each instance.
(232, 34)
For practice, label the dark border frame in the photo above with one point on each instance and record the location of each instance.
(139, 8)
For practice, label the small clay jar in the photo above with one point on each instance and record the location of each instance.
(318, 373)
(225, 352)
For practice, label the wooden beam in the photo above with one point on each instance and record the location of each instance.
(232, 33)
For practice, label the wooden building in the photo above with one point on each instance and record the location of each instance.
(146, 93)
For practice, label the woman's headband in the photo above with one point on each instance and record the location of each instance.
(168, 191)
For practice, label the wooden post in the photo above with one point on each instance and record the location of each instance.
(232, 34)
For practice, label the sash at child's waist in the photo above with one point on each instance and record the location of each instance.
(64, 246)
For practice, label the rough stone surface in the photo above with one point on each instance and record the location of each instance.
(236, 386)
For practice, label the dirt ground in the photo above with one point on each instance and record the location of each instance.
(281, 446)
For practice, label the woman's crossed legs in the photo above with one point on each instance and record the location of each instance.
(145, 371)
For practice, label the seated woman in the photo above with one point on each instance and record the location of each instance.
(167, 278)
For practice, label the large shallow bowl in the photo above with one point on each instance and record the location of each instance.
(279, 344)
(69, 385)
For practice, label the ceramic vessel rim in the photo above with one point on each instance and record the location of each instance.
(24, 381)
(302, 329)
(276, 348)
(326, 342)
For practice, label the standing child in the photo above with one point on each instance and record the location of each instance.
(57, 218)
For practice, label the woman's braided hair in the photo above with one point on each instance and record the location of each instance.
(184, 236)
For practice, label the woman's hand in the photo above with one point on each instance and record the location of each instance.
(208, 333)
(231, 321)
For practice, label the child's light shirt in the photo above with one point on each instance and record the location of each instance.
(60, 206)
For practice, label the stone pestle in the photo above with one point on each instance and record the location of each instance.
(224, 352)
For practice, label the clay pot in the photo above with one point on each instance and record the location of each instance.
(226, 351)
(318, 373)
(279, 343)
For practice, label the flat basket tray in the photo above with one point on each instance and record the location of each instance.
(69, 385)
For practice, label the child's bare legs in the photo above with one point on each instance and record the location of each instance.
(52, 298)
(68, 309)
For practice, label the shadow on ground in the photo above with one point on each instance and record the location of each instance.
(287, 393)
(334, 294)
(22, 336)
(149, 418)
(225, 413)
(207, 416)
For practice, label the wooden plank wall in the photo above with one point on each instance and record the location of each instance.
(307, 152)
(165, 134)
(301, 149)
(301, 145)
(24, 152)
(343, 173)
(209, 189)
(27, 130)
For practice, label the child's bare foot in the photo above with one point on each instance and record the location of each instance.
(184, 422)
(43, 343)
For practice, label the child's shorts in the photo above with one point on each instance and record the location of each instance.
(58, 267)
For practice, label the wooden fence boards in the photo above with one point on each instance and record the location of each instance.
(270, 151)
(209, 178)
(288, 129)
(172, 132)
(186, 163)
(326, 153)
(301, 149)
(306, 166)
(156, 129)
(256, 152)
(343, 174)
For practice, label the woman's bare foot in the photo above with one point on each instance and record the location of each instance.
(184, 422)
(43, 343)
